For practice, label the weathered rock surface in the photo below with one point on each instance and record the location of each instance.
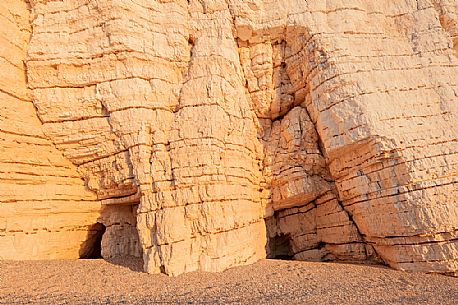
(209, 134)
(45, 209)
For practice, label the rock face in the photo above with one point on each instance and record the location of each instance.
(204, 134)
(45, 209)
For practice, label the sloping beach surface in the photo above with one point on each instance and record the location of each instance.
(266, 282)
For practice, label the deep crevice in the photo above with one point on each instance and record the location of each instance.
(92, 248)
(280, 247)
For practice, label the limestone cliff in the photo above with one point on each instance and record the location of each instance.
(206, 134)
(45, 209)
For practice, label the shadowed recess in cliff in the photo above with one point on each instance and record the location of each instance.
(279, 247)
(92, 247)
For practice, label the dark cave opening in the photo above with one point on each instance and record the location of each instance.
(279, 247)
(92, 248)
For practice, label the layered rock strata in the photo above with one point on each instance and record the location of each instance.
(46, 212)
(209, 134)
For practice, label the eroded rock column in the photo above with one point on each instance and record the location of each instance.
(156, 118)
(208, 215)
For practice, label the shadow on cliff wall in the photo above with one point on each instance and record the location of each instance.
(92, 247)
(114, 238)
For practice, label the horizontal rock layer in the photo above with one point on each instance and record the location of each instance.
(46, 212)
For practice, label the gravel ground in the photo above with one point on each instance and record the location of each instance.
(267, 282)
